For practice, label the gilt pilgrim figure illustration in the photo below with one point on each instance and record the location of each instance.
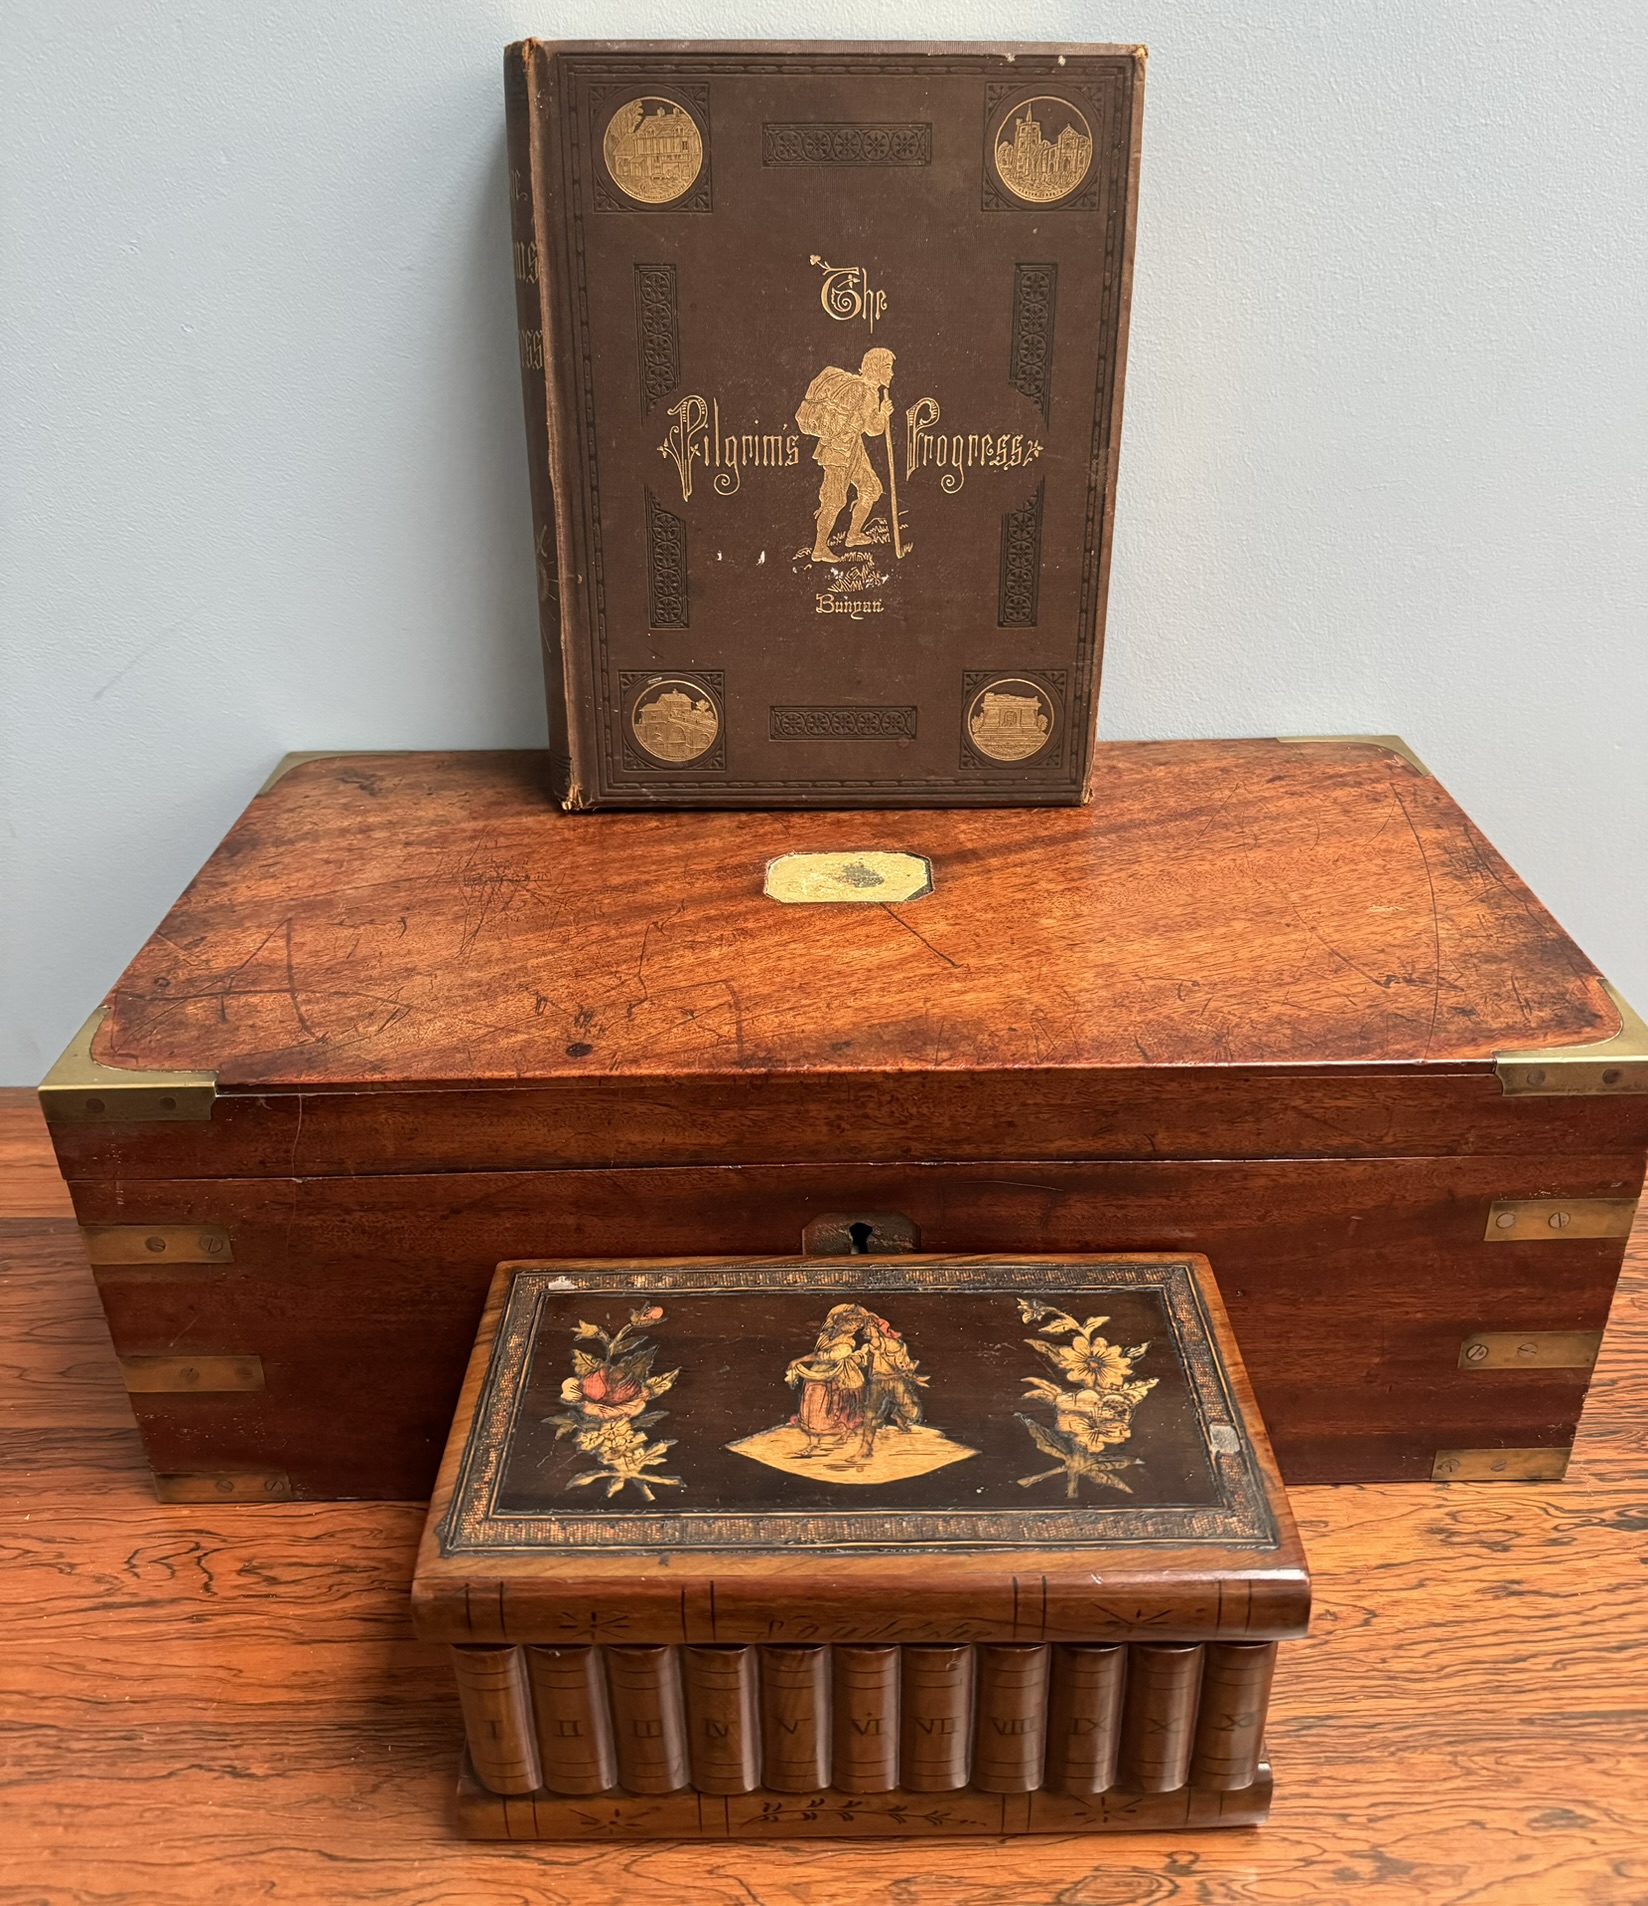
(841, 409)
(858, 1416)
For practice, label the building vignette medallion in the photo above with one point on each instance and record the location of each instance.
(653, 149)
(1011, 720)
(1036, 168)
(675, 720)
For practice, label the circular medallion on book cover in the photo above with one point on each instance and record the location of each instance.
(1044, 151)
(653, 150)
(1010, 720)
(675, 721)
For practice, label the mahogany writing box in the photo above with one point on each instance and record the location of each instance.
(1276, 1002)
(859, 1545)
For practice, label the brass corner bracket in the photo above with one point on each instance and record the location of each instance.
(1394, 743)
(1616, 1065)
(81, 1090)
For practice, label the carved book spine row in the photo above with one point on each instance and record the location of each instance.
(995, 1718)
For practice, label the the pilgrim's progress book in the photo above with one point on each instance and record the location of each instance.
(822, 352)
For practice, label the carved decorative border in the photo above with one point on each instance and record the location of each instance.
(1019, 588)
(668, 606)
(657, 333)
(1240, 1519)
(860, 723)
(846, 143)
(1035, 306)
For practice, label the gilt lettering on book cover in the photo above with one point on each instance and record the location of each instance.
(822, 353)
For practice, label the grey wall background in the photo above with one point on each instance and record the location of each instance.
(264, 483)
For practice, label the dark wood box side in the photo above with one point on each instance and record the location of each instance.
(1352, 1285)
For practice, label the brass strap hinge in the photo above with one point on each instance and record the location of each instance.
(1501, 1465)
(184, 1376)
(1551, 1220)
(159, 1244)
(81, 1090)
(1530, 1350)
(1619, 1064)
(237, 1485)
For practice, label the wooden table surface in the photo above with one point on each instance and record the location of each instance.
(222, 1703)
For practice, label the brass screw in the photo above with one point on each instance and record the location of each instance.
(1476, 1353)
(1505, 1220)
(1559, 1220)
(1536, 1077)
(211, 1245)
(154, 1244)
(1527, 1350)
(1611, 1076)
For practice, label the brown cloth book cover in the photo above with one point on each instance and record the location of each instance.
(822, 347)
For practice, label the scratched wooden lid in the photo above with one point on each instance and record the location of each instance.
(418, 962)
(766, 1449)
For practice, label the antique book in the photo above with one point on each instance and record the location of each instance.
(821, 349)
(934, 1544)
(1288, 1009)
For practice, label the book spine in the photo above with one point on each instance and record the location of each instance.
(1159, 1715)
(529, 249)
(864, 1731)
(1085, 1716)
(723, 1730)
(649, 1728)
(795, 1718)
(569, 1697)
(497, 1712)
(935, 1717)
(1230, 1725)
(1010, 1732)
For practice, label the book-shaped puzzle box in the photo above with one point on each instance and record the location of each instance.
(822, 351)
(824, 1545)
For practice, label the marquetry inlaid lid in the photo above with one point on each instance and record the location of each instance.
(771, 1449)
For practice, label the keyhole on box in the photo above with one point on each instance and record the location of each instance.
(861, 1234)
